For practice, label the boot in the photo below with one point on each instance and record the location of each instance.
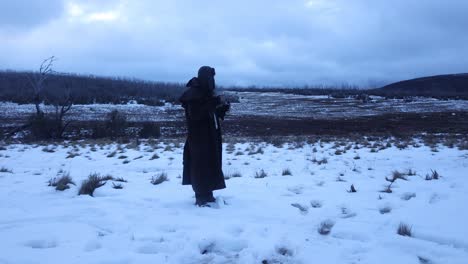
(202, 199)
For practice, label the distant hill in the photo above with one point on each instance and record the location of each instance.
(87, 89)
(450, 86)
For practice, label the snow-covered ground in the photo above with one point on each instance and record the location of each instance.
(277, 105)
(256, 220)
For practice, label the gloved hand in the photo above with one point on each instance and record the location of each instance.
(222, 108)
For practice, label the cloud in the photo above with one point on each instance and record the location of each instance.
(259, 42)
(26, 13)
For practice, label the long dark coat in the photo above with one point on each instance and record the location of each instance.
(203, 148)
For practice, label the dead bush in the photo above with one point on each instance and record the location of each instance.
(117, 186)
(260, 174)
(89, 185)
(155, 156)
(286, 172)
(352, 189)
(404, 230)
(5, 170)
(150, 130)
(61, 183)
(120, 179)
(160, 178)
(325, 227)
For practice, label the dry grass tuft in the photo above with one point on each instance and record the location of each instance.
(260, 174)
(286, 172)
(117, 186)
(5, 170)
(89, 185)
(325, 227)
(160, 178)
(404, 230)
(62, 183)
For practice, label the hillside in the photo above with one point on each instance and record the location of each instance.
(451, 85)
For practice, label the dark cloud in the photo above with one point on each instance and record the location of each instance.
(251, 42)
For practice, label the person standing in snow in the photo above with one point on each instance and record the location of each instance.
(202, 158)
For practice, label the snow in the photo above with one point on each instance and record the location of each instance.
(253, 220)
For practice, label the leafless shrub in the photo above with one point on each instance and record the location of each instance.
(236, 175)
(404, 230)
(155, 156)
(120, 179)
(72, 154)
(89, 185)
(286, 172)
(338, 152)
(260, 174)
(108, 177)
(168, 148)
(395, 176)
(325, 227)
(232, 175)
(112, 154)
(160, 178)
(320, 162)
(433, 176)
(61, 183)
(352, 189)
(411, 172)
(117, 186)
(150, 130)
(239, 153)
(116, 124)
(259, 150)
(423, 260)
(5, 170)
(230, 148)
(388, 189)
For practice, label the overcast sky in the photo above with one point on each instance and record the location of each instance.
(259, 42)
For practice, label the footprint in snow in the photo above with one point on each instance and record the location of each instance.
(149, 248)
(41, 244)
(92, 245)
(296, 189)
(303, 209)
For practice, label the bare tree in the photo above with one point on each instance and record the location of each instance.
(62, 105)
(37, 81)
